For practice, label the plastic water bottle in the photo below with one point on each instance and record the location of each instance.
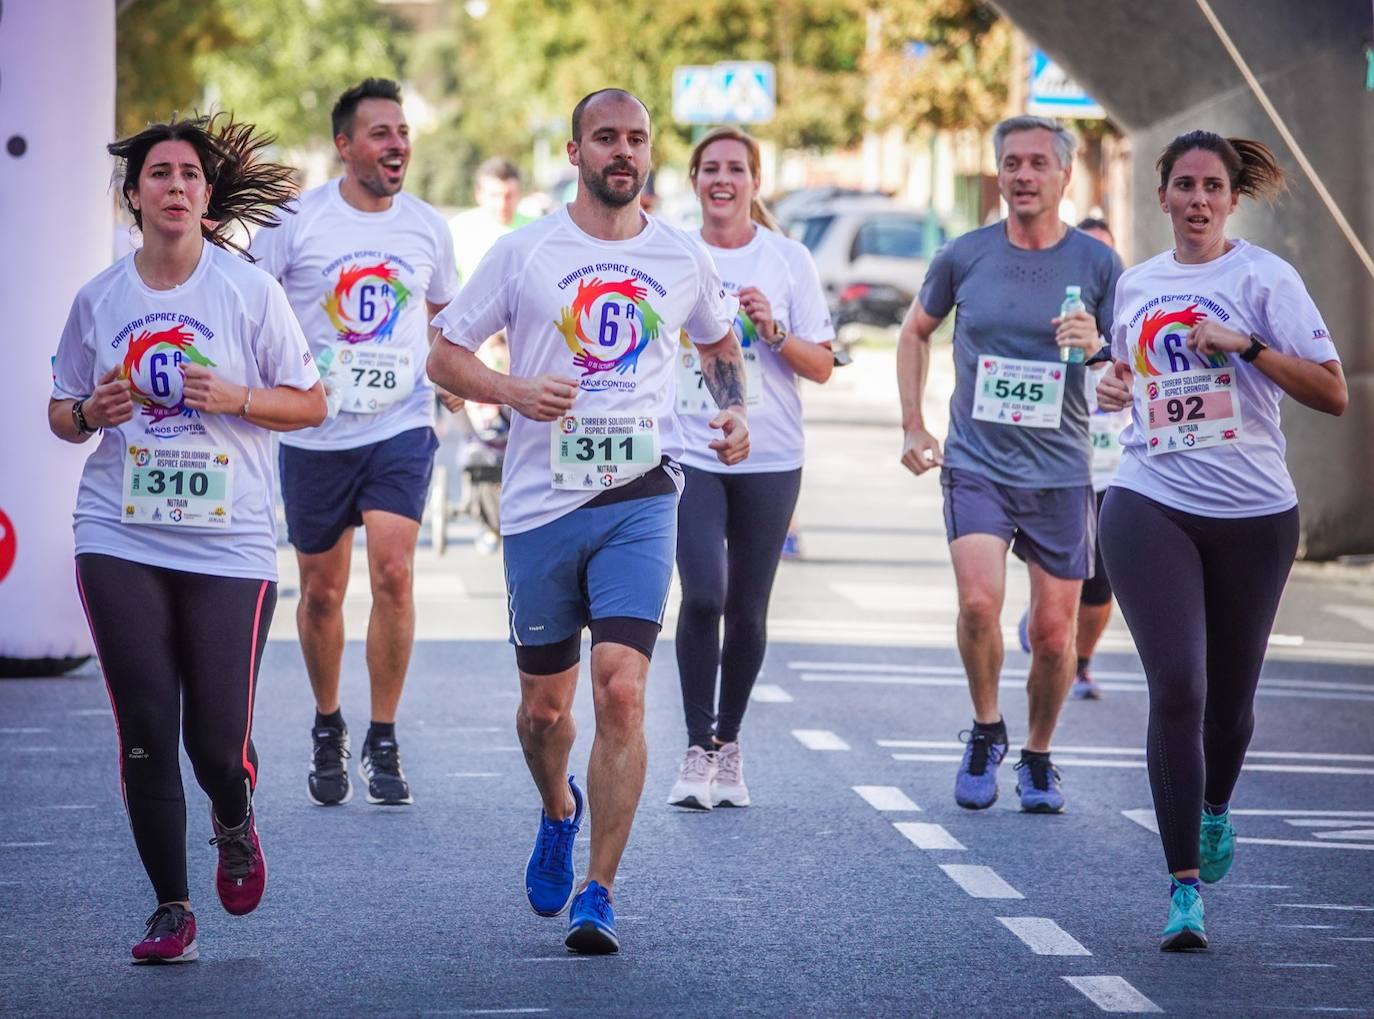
(1073, 301)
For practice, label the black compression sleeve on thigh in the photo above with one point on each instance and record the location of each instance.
(549, 659)
(640, 634)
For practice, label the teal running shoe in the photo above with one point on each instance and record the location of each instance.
(1217, 842)
(1184, 932)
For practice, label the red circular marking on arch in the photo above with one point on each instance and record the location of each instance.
(8, 544)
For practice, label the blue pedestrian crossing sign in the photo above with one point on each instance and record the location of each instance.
(1054, 94)
(730, 92)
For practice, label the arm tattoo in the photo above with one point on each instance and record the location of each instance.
(724, 378)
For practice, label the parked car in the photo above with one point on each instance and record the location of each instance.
(871, 255)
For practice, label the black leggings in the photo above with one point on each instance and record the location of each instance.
(1097, 589)
(730, 530)
(1199, 595)
(177, 647)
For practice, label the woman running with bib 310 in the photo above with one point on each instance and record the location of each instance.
(733, 519)
(1200, 527)
(184, 356)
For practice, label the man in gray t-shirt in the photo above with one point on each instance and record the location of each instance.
(1015, 470)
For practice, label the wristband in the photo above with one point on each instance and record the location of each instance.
(776, 345)
(79, 419)
(247, 401)
(1253, 351)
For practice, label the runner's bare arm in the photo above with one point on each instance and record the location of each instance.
(722, 368)
(1319, 386)
(109, 405)
(278, 408)
(452, 404)
(542, 398)
(920, 449)
(814, 361)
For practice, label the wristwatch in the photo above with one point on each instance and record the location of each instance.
(1253, 351)
(776, 345)
(79, 419)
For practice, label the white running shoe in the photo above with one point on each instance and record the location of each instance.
(693, 786)
(728, 789)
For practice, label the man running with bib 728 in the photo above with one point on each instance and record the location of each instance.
(592, 299)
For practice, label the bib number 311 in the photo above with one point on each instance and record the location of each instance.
(596, 452)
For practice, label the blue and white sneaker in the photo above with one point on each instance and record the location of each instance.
(1183, 931)
(975, 786)
(591, 923)
(549, 877)
(1023, 631)
(1217, 846)
(1038, 786)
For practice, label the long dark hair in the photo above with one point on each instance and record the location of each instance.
(1250, 165)
(244, 189)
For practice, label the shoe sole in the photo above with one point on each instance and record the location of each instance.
(1041, 808)
(1186, 940)
(589, 939)
(191, 954)
(690, 803)
(733, 804)
(408, 801)
(348, 795)
(976, 806)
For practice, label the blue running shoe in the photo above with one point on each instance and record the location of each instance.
(1023, 631)
(549, 876)
(1184, 931)
(1217, 842)
(591, 923)
(1038, 786)
(975, 786)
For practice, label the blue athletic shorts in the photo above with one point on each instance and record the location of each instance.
(326, 491)
(1056, 528)
(595, 563)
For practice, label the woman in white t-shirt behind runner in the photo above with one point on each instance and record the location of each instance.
(1200, 527)
(732, 520)
(184, 357)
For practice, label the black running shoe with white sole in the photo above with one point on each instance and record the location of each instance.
(327, 782)
(381, 770)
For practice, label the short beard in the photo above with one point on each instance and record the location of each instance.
(372, 183)
(605, 194)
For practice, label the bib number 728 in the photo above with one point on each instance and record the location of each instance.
(374, 378)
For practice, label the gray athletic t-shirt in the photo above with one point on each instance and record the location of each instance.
(1006, 297)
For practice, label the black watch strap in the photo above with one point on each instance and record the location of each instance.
(79, 418)
(1253, 351)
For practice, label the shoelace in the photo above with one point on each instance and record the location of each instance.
(385, 757)
(165, 920)
(1213, 830)
(236, 849)
(983, 746)
(729, 767)
(555, 843)
(330, 752)
(1040, 770)
(598, 902)
(698, 765)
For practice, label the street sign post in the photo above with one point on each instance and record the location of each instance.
(730, 92)
(1054, 94)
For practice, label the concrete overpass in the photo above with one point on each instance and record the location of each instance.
(1293, 76)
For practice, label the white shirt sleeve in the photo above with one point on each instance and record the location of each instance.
(483, 306)
(74, 366)
(1293, 321)
(279, 348)
(443, 282)
(714, 312)
(270, 246)
(808, 311)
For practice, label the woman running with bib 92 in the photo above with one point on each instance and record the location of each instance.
(1200, 527)
(732, 520)
(184, 356)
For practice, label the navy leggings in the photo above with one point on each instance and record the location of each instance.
(730, 532)
(180, 651)
(1199, 595)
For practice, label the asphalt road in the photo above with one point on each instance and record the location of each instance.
(854, 885)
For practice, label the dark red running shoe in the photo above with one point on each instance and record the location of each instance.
(241, 876)
(171, 937)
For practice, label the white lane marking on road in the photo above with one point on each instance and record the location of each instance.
(1300, 844)
(21, 731)
(473, 774)
(34, 750)
(1019, 682)
(1097, 762)
(69, 806)
(1317, 822)
(24, 845)
(560, 958)
(1143, 817)
(1042, 935)
(885, 797)
(819, 739)
(1325, 905)
(89, 711)
(925, 835)
(1308, 926)
(1300, 811)
(1146, 819)
(1301, 965)
(770, 693)
(1113, 994)
(1276, 887)
(1295, 755)
(501, 1011)
(979, 881)
(1346, 833)
(1354, 939)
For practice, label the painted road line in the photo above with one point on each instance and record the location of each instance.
(1354, 939)
(24, 845)
(885, 797)
(1042, 935)
(1113, 994)
(1300, 812)
(979, 881)
(473, 774)
(1345, 833)
(1146, 819)
(1321, 822)
(21, 731)
(819, 739)
(1301, 965)
(1308, 926)
(1295, 755)
(1099, 762)
(1325, 905)
(499, 1011)
(770, 693)
(924, 835)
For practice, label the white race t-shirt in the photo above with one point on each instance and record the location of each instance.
(605, 312)
(227, 316)
(1249, 290)
(358, 282)
(1104, 431)
(783, 270)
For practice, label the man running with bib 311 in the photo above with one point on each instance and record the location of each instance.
(592, 298)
